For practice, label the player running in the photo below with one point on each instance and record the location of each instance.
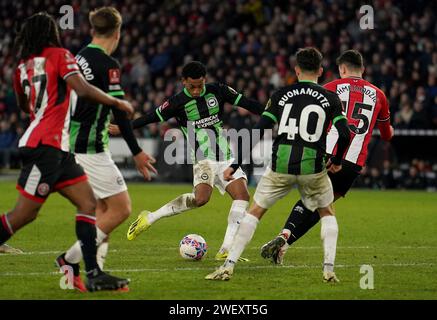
(89, 135)
(304, 111)
(44, 82)
(202, 105)
(366, 105)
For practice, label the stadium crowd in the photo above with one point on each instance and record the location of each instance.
(248, 44)
(416, 175)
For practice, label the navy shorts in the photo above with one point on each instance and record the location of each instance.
(343, 180)
(46, 170)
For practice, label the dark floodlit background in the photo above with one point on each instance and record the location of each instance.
(250, 46)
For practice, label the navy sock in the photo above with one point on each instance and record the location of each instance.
(300, 221)
(86, 233)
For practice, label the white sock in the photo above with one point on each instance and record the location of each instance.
(74, 254)
(236, 214)
(102, 252)
(329, 235)
(180, 204)
(242, 238)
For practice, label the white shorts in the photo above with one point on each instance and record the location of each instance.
(211, 173)
(104, 177)
(315, 189)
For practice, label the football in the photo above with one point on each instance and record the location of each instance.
(193, 247)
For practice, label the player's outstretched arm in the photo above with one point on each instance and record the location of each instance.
(124, 127)
(143, 161)
(237, 99)
(148, 118)
(86, 90)
(383, 120)
(251, 105)
(386, 130)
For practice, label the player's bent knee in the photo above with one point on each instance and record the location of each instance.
(22, 214)
(124, 208)
(32, 216)
(323, 212)
(87, 206)
(244, 196)
(201, 201)
(125, 211)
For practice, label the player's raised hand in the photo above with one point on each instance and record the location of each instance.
(228, 174)
(125, 106)
(333, 168)
(114, 130)
(144, 164)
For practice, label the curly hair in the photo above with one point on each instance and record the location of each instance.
(38, 32)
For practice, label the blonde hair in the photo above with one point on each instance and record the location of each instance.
(105, 21)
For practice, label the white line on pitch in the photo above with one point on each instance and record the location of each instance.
(31, 253)
(19, 274)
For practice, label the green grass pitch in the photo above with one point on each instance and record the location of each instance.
(393, 231)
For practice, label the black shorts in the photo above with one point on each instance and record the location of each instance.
(343, 180)
(45, 170)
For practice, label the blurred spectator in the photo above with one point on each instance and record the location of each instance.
(8, 144)
(417, 175)
(249, 44)
(415, 179)
(387, 176)
(403, 116)
(419, 119)
(433, 112)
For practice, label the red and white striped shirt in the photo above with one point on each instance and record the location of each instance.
(365, 105)
(42, 79)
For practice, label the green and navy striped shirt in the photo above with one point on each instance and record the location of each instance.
(303, 111)
(205, 114)
(89, 120)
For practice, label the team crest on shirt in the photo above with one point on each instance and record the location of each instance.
(43, 189)
(204, 176)
(114, 75)
(212, 102)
